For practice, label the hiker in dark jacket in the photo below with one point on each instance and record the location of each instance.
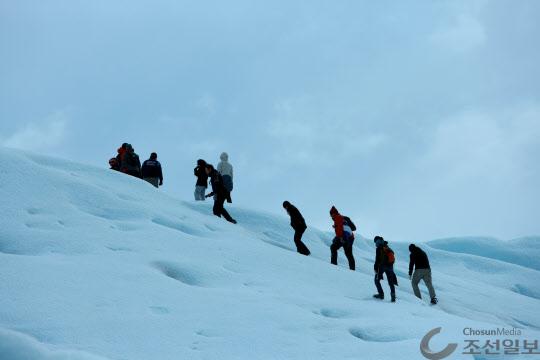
(420, 263)
(220, 192)
(344, 237)
(202, 180)
(131, 164)
(299, 225)
(151, 171)
(384, 264)
(113, 163)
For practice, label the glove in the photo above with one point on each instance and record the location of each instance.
(207, 196)
(161, 183)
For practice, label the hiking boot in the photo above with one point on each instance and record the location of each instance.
(393, 299)
(434, 301)
(379, 296)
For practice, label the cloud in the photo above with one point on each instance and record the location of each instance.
(489, 144)
(207, 103)
(327, 136)
(472, 173)
(466, 33)
(44, 135)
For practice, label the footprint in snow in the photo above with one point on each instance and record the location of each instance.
(176, 225)
(180, 273)
(333, 313)
(160, 310)
(378, 334)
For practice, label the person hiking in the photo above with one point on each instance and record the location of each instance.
(121, 152)
(151, 171)
(226, 170)
(113, 163)
(202, 180)
(220, 192)
(299, 225)
(131, 164)
(420, 263)
(344, 227)
(384, 264)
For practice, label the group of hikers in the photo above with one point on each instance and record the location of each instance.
(384, 256)
(221, 181)
(127, 161)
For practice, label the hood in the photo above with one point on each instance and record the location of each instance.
(380, 243)
(224, 156)
(334, 211)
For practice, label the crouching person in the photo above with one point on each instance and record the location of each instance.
(299, 225)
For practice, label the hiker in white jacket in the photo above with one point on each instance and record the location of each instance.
(226, 170)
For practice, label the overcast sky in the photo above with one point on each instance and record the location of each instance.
(419, 119)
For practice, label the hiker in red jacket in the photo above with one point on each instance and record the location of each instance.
(344, 228)
(120, 157)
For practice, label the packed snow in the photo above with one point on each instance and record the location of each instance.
(95, 264)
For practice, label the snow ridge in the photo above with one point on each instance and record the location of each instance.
(98, 265)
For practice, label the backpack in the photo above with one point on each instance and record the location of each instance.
(129, 159)
(389, 254)
(349, 223)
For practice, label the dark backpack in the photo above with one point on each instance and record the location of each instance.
(349, 223)
(130, 159)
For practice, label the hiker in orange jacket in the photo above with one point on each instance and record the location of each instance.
(344, 228)
(120, 157)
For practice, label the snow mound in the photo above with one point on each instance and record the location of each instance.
(524, 251)
(98, 265)
(16, 346)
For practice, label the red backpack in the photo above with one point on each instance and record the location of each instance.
(389, 254)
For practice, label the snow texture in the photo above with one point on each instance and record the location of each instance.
(98, 265)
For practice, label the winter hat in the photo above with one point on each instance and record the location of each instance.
(201, 162)
(224, 156)
(334, 211)
(153, 156)
(286, 204)
(412, 247)
(379, 240)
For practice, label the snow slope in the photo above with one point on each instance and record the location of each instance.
(98, 265)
